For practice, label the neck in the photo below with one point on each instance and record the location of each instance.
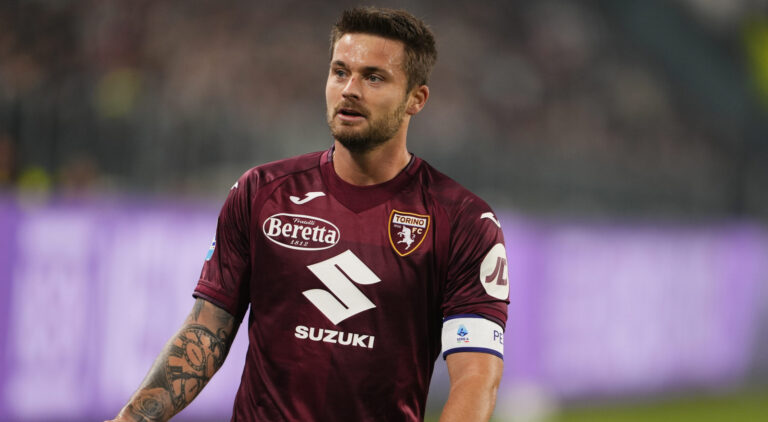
(379, 165)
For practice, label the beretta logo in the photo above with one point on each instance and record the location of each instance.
(407, 230)
(302, 232)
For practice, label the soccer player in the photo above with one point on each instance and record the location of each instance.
(360, 264)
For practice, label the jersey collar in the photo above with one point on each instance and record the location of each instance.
(360, 198)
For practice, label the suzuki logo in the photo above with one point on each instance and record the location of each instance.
(339, 274)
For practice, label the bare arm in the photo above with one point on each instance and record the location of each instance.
(475, 380)
(184, 366)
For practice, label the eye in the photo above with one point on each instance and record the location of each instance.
(375, 78)
(340, 73)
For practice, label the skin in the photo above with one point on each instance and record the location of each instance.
(475, 379)
(366, 75)
(184, 366)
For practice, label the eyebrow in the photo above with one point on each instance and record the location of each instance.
(366, 69)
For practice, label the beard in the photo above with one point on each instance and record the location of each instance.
(378, 132)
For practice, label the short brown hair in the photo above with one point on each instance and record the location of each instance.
(420, 51)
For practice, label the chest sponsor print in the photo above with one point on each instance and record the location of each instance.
(407, 231)
(301, 232)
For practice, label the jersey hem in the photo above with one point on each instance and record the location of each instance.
(213, 296)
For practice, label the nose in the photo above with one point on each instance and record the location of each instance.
(352, 88)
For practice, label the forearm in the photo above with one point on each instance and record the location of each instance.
(184, 367)
(475, 379)
(470, 399)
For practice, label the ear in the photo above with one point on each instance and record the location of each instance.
(417, 99)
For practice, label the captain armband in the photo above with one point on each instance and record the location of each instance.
(472, 333)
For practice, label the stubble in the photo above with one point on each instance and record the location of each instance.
(378, 132)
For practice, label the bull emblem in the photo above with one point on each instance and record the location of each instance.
(407, 237)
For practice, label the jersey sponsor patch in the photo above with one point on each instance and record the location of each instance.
(472, 333)
(340, 274)
(494, 273)
(326, 335)
(407, 231)
(301, 232)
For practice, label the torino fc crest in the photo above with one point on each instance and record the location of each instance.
(407, 231)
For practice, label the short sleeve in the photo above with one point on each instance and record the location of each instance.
(224, 279)
(477, 281)
(477, 287)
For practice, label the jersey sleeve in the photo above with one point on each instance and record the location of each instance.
(477, 287)
(224, 279)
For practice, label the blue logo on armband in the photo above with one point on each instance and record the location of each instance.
(210, 250)
(463, 334)
(462, 331)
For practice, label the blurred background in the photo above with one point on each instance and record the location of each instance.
(624, 146)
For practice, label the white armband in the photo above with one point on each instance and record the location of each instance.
(472, 333)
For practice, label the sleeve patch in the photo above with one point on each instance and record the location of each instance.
(494, 274)
(472, 333)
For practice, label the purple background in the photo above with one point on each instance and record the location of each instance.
(92, 290)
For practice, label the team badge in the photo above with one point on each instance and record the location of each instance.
(407, 231)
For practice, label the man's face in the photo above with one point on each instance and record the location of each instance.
(366, 91)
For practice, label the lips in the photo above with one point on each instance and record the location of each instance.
(349, 112)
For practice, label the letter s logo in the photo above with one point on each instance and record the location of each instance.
(338, 274)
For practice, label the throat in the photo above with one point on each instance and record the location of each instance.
(369, 168)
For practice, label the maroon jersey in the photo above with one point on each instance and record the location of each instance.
(353, 290)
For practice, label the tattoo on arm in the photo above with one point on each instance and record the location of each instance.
(184, 367)
(148, 408)
(199, 304)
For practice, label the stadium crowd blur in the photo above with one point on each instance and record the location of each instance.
(609, 110)
(590, 107)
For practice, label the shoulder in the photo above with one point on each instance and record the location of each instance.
(451, 196)
(262, 179)
(265, 174)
